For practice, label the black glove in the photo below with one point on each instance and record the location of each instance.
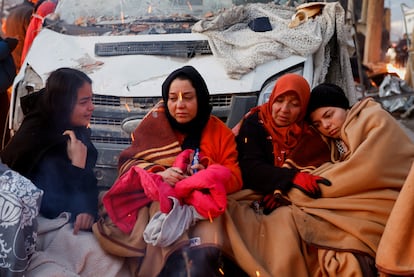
(309, 184)
(12, 43)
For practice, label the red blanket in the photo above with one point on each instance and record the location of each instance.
(126, 196)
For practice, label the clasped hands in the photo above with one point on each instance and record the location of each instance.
(305, 182)
(181, 168)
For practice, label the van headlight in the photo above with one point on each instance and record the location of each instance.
(129, 124)
(268, 87)
(30, 82)
(266, 92)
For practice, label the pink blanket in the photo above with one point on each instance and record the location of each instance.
(136, 188)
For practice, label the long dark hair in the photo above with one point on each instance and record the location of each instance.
(61, 93)
(42, 128)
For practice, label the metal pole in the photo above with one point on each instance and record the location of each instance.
(2, 8)
(357, 50)
(405, 24)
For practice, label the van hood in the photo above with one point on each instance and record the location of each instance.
(139, 75)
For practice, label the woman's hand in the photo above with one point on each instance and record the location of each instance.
(77, 151)
(83, 221)
(172, 175)
(195, 168)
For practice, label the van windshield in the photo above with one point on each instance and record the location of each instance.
(130, 17)
(78, 11)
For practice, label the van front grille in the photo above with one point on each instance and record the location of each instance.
(111, 111)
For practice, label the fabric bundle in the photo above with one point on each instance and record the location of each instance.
(204, 192)
(165, 228)
(241, 50)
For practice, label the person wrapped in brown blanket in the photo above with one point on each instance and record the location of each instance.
(157, 181)
(339, 233)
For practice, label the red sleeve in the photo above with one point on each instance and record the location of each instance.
(218, 144)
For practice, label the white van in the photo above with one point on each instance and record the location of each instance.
(128, 48)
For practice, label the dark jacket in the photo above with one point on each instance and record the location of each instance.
(67, 187)
(38, 152)
(256, 159)
(7, 66)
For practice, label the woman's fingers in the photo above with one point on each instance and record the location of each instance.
(71, 134)
(77, 151)
(83, 221)
(172, 175)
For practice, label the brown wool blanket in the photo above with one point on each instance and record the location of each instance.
(314, 237)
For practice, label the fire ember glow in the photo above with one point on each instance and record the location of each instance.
(127, 107)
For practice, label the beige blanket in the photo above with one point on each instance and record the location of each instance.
(59, 253)
(313, 237)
